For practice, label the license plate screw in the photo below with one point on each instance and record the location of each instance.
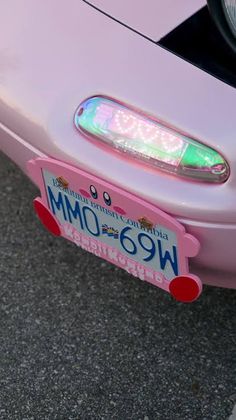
(145, 223)
(62, 182)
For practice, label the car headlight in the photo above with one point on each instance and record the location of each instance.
(139, 136)
(224, 14)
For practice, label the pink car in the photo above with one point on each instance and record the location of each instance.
(124, 117)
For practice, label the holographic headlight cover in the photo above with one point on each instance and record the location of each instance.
(148, 140)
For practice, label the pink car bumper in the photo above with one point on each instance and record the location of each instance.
(44, 77)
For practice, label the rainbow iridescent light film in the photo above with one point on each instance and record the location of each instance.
(148, 140)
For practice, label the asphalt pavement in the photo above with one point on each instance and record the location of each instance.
(81, 339)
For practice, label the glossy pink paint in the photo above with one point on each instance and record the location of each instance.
(37, 108)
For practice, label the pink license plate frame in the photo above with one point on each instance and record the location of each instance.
(113, 223)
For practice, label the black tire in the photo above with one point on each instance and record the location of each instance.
(217, 12)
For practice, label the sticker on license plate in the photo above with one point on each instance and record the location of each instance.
(112, 223)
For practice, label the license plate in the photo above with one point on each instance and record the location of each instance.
(114, 224)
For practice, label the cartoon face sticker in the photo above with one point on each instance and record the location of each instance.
(107, 198)
(95, 193)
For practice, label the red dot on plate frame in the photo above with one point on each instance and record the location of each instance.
(185, 288)
(84, 193)
(119, 210)
(46, 217)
